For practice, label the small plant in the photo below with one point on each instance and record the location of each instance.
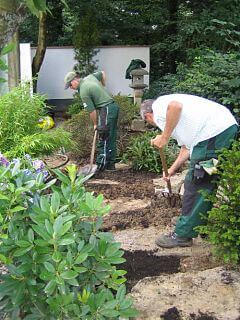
(19, 133)
(81, 129)
(60, 265)
(223, 222)
(144, 157)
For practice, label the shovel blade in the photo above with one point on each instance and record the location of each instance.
(87, 170)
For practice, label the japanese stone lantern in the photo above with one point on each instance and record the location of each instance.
(138, 84)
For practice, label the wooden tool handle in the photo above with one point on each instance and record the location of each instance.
(93, 149)
(165, 169)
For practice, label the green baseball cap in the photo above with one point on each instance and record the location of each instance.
(68, 78)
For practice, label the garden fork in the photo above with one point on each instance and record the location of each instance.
(173, 198)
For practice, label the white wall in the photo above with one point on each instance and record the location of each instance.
(26, 63)
(113, 60)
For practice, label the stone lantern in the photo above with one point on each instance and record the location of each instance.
(138, 84)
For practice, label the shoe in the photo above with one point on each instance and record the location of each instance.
(110, 167)
(171, 240)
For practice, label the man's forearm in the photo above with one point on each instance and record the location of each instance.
(93, 116)
(183, 156)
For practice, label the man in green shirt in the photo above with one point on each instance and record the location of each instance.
(103, 113)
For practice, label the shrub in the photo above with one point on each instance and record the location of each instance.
(127, 111)
(19, 133)
(212, 75)
(60, 265)
(76, 106)
(223, 224)
(81, 128)
(144, 157)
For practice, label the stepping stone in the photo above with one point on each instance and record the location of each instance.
(176, 182)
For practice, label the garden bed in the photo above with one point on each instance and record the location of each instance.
(137, 216)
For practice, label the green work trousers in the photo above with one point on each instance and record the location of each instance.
(195, 206)
(107, 133)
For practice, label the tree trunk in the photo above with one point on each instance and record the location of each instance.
(14, 63)
(8, 21)
(41, 47)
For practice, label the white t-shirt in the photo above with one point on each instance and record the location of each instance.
(200, 119)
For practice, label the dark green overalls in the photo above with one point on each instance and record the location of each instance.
(95, 97)
(194, 202)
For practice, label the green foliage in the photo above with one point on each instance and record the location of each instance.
(3, 66)
(144, 157)
(214, 76)
(76, 106)
(85, 39)
(43, 143)
(19, 133)
(60, 265)
(127, 111)
(81, 130)
(223, 225)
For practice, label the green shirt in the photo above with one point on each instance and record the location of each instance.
(92, 92)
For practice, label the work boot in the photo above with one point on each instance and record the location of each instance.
(110, 167)
(171, 240)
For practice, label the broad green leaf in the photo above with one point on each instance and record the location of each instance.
(49, 267)
(23, 243)
(66, 241)
(55, 201)
(81, 257)
(21, 251)
(41, 232)
(69, 274)
(57, 256)
(50, 287)
(17, 208)
(62, 177)
(121, 293)
(58, 224)
(110, 313)
(49, 227)
(129, 313)
(64, 229)
(30, 235)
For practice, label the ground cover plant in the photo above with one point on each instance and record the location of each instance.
(144, 157)
(60, 265)
(19, 133)
(223, 223)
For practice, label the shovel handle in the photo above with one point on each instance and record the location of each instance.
(93, 149)
(165, 169)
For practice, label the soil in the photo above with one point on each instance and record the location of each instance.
(131, 186)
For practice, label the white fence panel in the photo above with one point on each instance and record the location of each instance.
(113, 60)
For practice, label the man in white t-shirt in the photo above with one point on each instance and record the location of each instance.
(202, 128)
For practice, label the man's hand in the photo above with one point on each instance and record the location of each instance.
(159, 141)
(171, 172)
(95, 127)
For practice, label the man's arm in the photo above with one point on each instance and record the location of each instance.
(93, 116)
(183, 156)
(103, 80)
(172, 117)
